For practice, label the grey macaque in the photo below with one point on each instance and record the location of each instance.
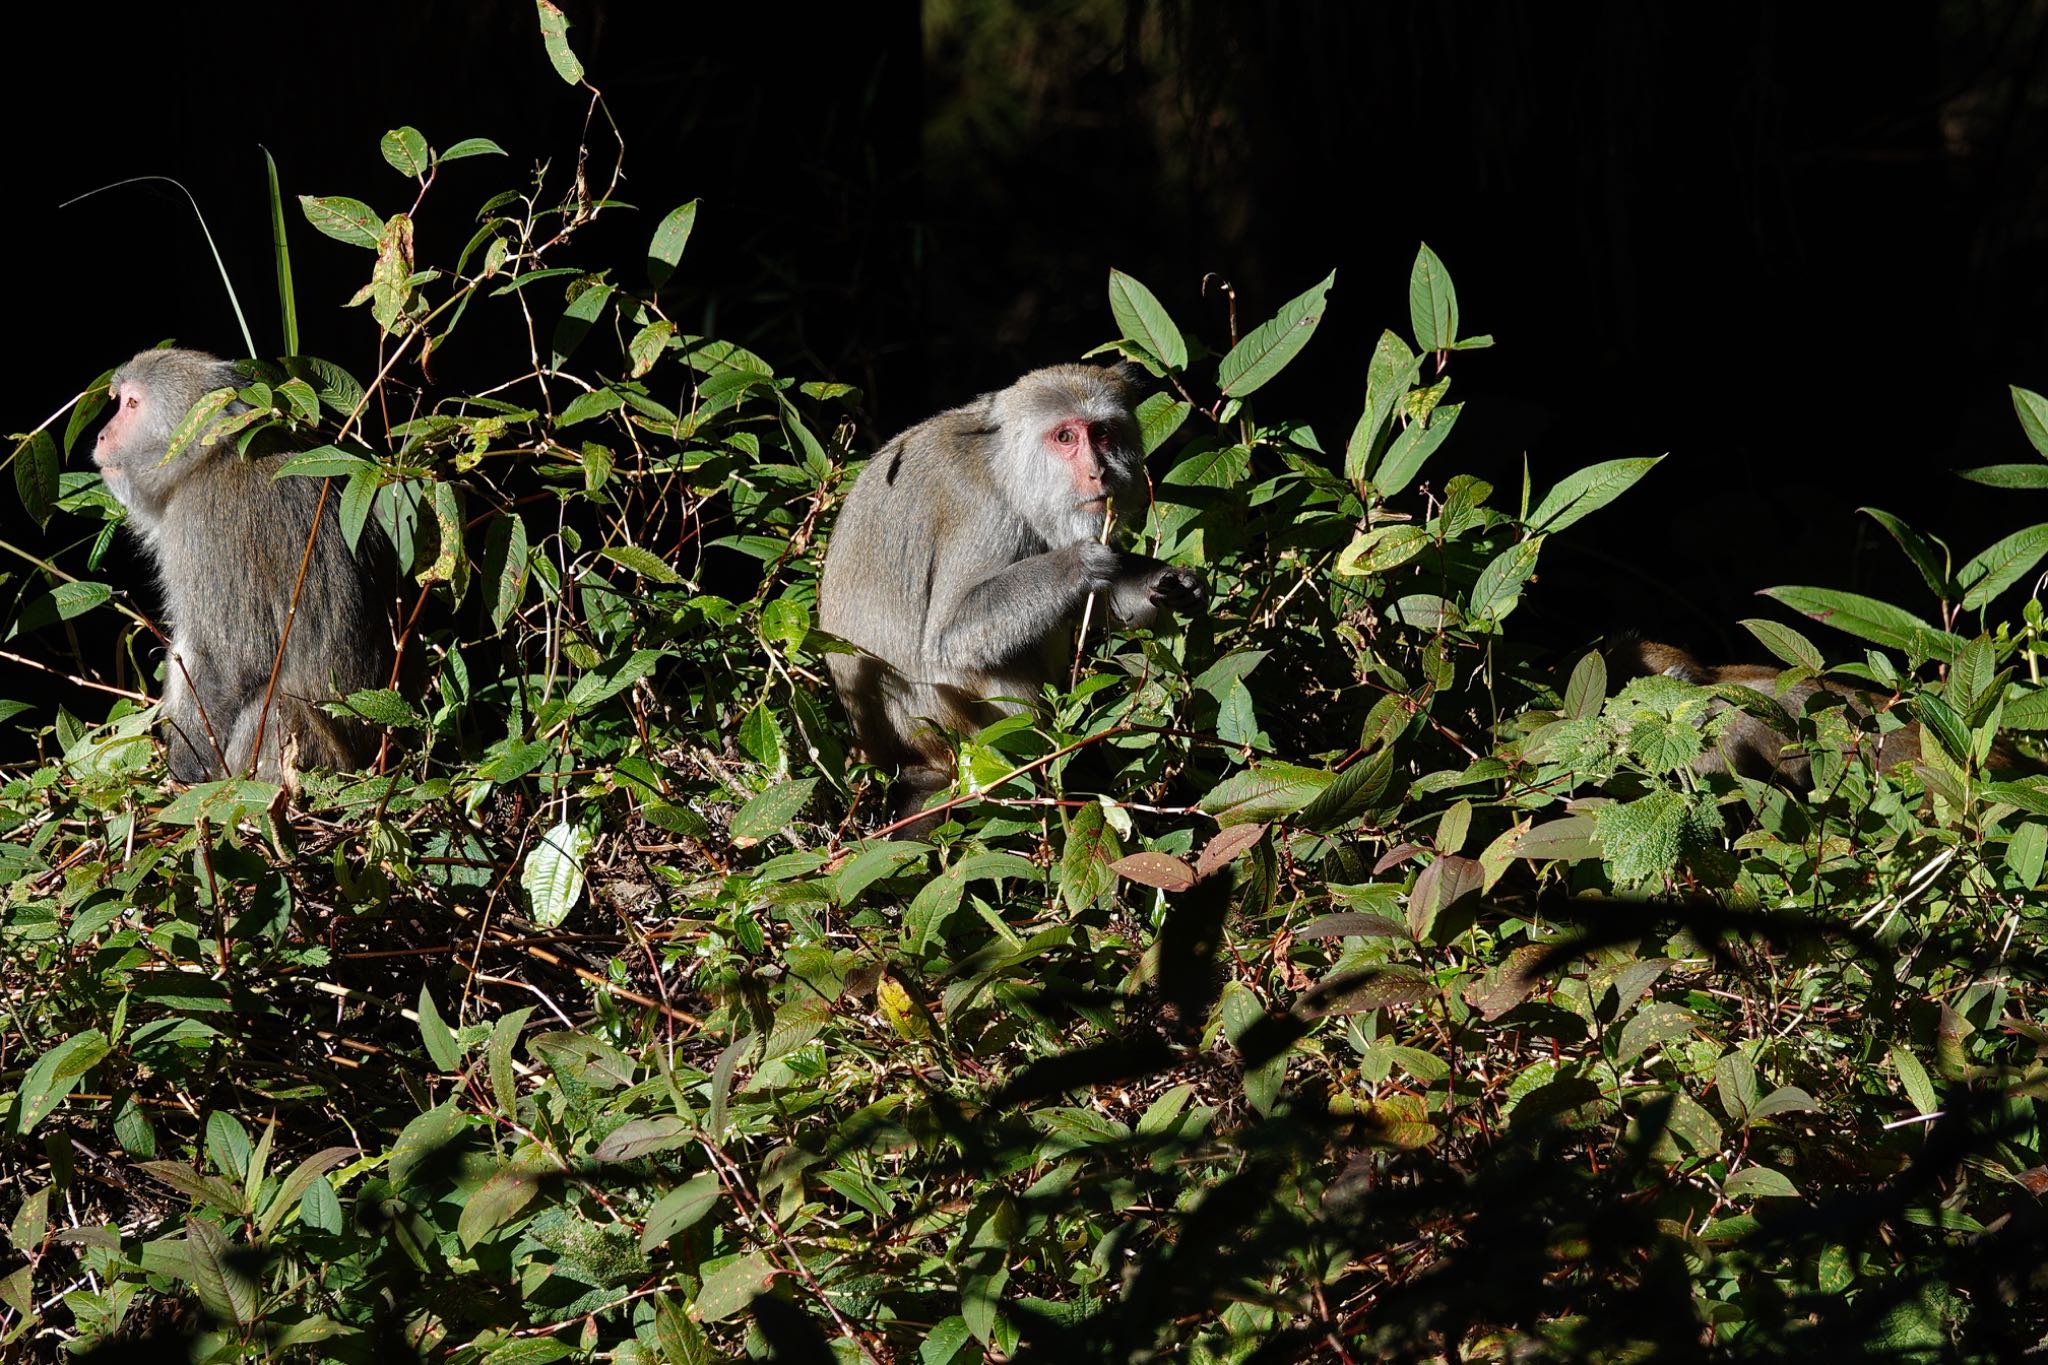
(965, 555)
(228, 540)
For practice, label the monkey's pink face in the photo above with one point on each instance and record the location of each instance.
(118, 431)
(1078, 444)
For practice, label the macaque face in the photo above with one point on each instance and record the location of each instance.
(1079, 445)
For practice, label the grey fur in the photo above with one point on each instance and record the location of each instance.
(227, 540)
(963, 558)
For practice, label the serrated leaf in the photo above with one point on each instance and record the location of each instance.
(1273, 343)
(666, 247)
(1265, 791)
(1641, 838)
(1145, 320)
(553, 873)
(1348, 794)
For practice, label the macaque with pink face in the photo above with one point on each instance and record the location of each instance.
(965, 553)
(229, 539)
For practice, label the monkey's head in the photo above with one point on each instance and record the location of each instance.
(1068, 445)
(150, 396)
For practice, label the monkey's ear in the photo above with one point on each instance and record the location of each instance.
(1128, 378)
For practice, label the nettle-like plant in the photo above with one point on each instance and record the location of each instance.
(1323, 982)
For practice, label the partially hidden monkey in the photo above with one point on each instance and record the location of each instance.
(965, 554)
(228, 540)
(1751, 746)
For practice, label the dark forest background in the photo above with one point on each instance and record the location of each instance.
(1802, 249)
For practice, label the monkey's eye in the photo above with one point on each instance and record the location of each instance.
(1066, 436)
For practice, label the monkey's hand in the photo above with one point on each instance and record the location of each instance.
(1177, 590)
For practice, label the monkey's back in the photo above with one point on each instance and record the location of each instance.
(229, 549)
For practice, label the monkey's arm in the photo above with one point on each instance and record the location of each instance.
(1002, 614)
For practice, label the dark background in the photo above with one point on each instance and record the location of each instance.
(1803, 250)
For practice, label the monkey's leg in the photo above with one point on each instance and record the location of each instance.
(189, 750)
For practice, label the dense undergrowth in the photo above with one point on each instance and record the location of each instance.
(1332, 980)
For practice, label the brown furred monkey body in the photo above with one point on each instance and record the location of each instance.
(965, 554)
(228, 540)
(1748, 745)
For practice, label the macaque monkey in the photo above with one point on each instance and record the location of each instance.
(228, 540)
(966, 553)
(1748, 745)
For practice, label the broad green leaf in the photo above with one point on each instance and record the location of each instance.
(1084, 864)
(1788, 645)
(1382, 548)
(35, 476)
(422, 1138)
(1265, 791)
(733, 1286)
(1570, 839)
(1499, 585)
(681, 1209)
(1273, 343)
(1913, 1076)
(61, 603)
(1869, 619)
(669, 240)
(435, 1033)
(553, 873)
(323, 462)
(772, 811)
(1432, 302)
(504, 567)
(345, 220)
(471, 146)
(1349, 794)
(1758, 1182)
(2000, 566)
(406, 151)
(1145, 320)
(56, 1074)
(1586, 692)
(554, 35)
(1159, 416)
(495, 1203)
(643, 562)
(1587, 491)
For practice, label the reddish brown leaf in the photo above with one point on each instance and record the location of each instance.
(1162, 870)
(1225, 846)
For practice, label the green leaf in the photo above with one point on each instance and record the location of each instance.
(504, 567)
(495, 1203)
(1144, 320)
(553, 873)
(56, 1074)
(1758, 1182)
(554, 34)
(670, 238)
(1392, 369)
(1159, 416)
(1640, 838)
(2033, 414)
(471, 146)
(1913, 1076)
(35, 476)
(1432, 302)
(1381, 549)
(1997, 568)
(61, 603)
(281, 250)
(1265, 791)
(1919, 549)
(1786, 644)
(2007, 475)
(1267, 350)
(345, 220)
(406, 151)
(772, 811)
(1085, 862)
(1349, 794)
(1586, 692)
(1499, 585)
(321, 463)
(643, 562)
(438, 1037)
(421, 1139)
(1869, 619)
(1590, 489)
(733, 1286)
(1415, 444)
(681, 1209)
